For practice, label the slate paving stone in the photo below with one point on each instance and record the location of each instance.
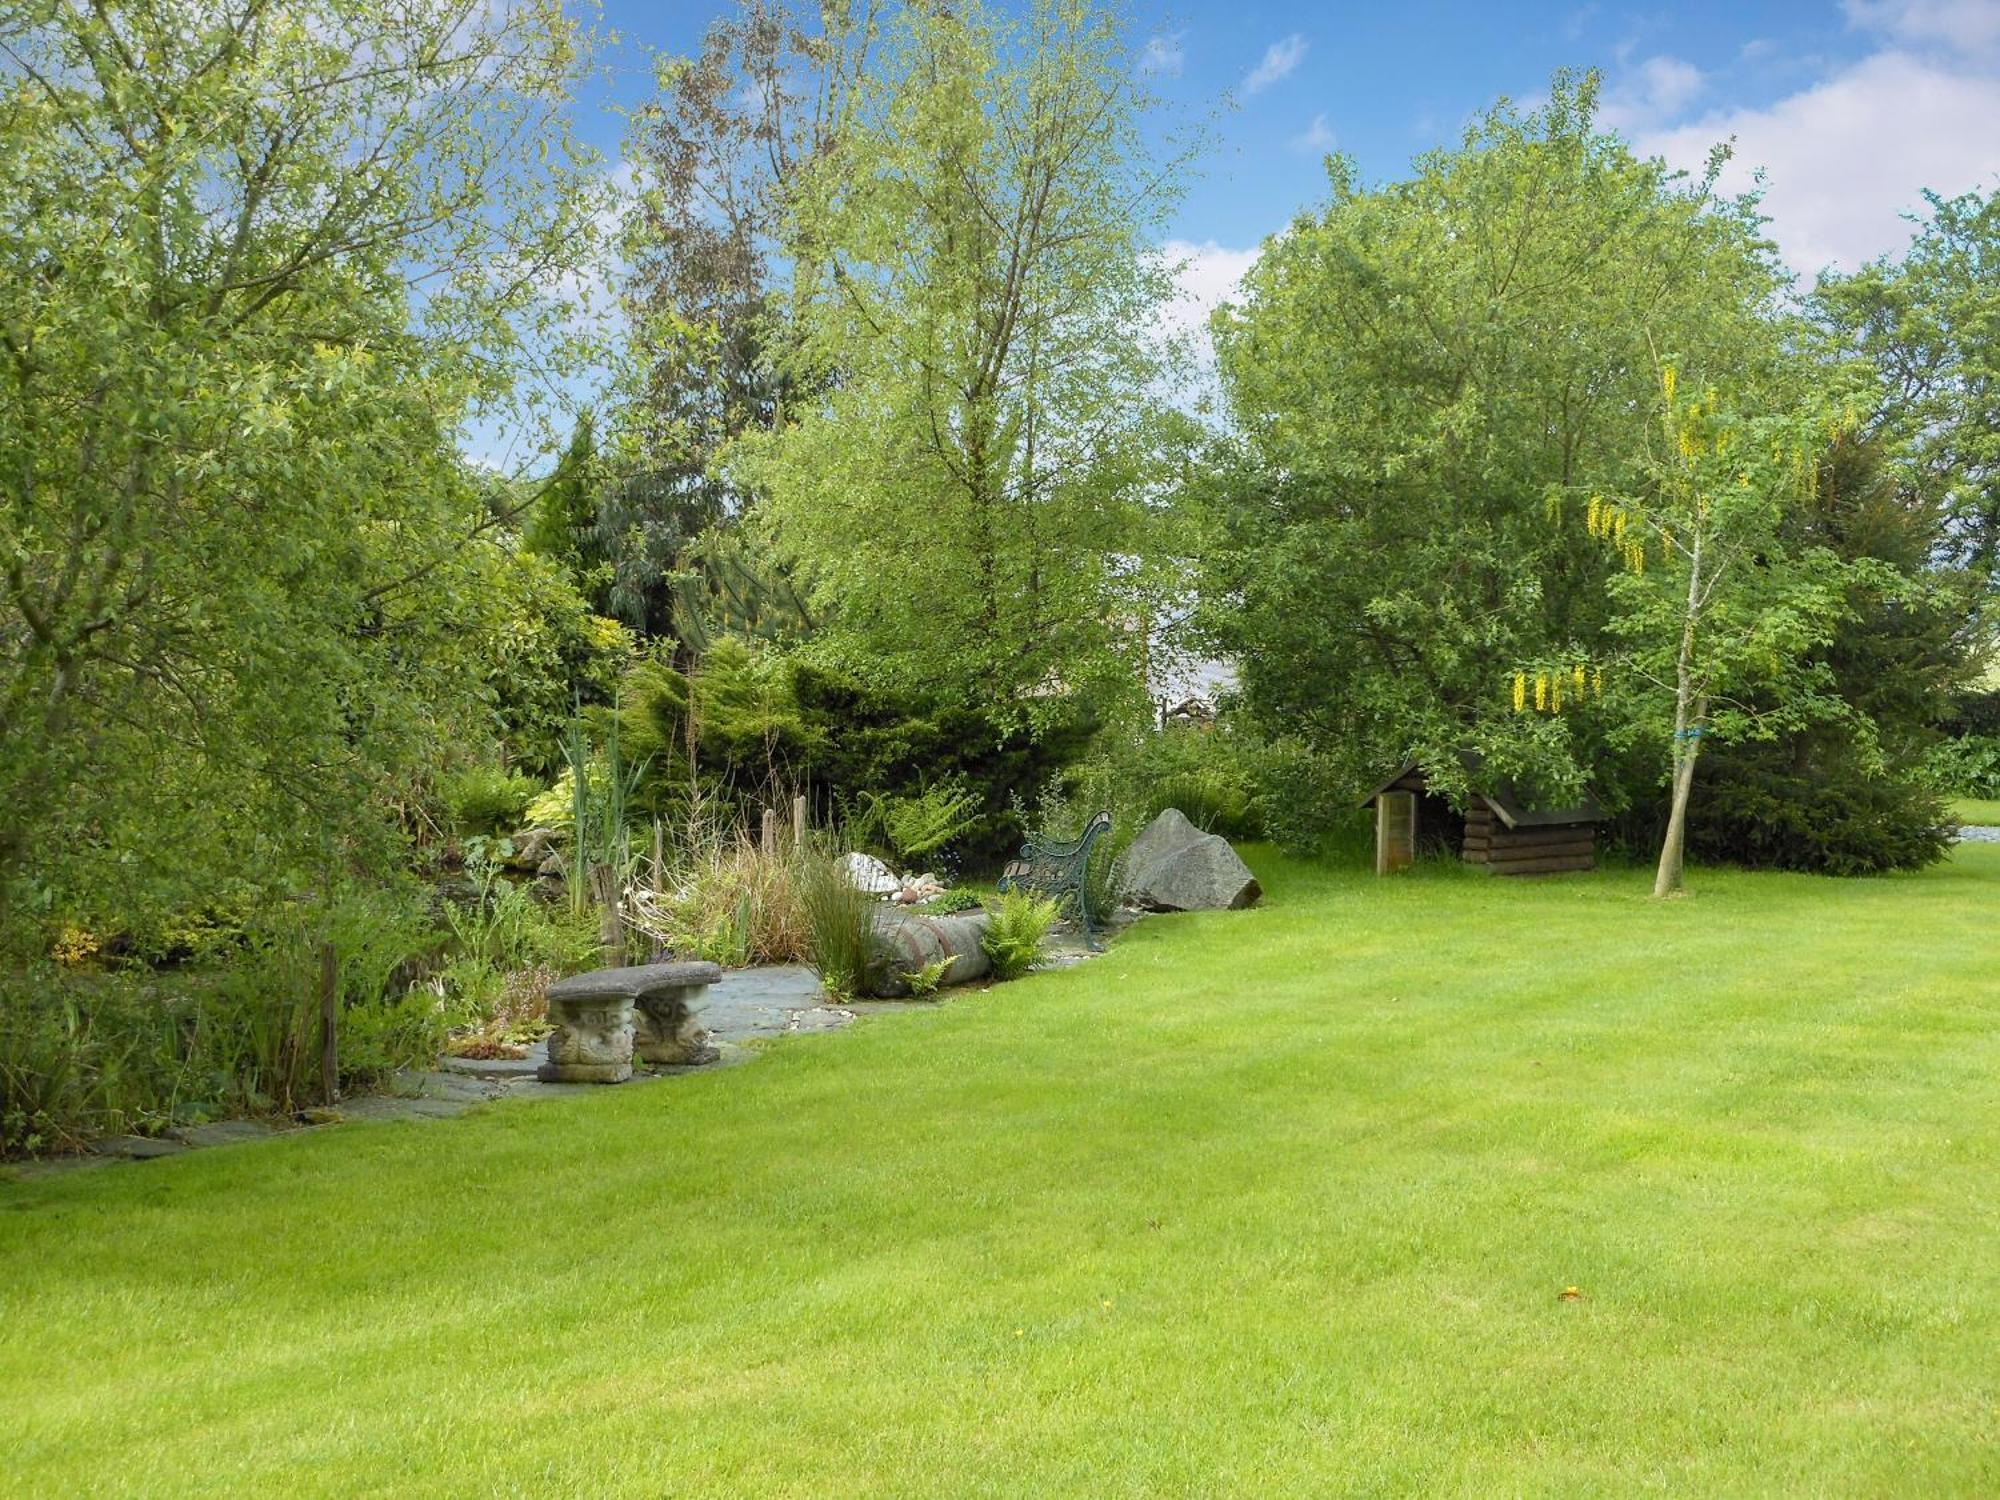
(136, 1147)
(225, 1132)
(744, 1010)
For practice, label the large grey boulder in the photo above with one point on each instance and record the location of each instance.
(1173, 866)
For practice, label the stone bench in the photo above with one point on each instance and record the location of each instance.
(602, 1018)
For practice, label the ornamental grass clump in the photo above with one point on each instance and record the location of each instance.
(716, 892)
(841, 919)
(1017, 937)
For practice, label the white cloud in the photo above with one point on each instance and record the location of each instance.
(1652, 93)
(1964, 26)
(1208, 277)
(1281, 58)
(1847, 157)
(1163, 56)
(1317, 136)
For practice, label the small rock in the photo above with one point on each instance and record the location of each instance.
(867, 873)
(530, 849)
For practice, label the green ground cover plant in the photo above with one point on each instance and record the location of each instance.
(1432, 1185)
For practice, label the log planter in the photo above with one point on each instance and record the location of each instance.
(907, 942)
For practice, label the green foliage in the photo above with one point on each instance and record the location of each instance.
(1017, 936)
(548, 653)
(722, 897)
(1965, 767)
(973, 285)
(924, 982)
(863, 736)
(951, 902)
(841, 922)
(85, 1053)
(1414, 369)
(243, 600)
(1210, 774)
(561, 525)
(748, 726)
(485, 801)
(1852, 789)
(1925, 319)
(915, 826)
(1839, 816)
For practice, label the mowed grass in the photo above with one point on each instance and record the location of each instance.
(1978, 812)
(1280, 1202)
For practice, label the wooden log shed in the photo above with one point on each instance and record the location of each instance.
(1497, 830)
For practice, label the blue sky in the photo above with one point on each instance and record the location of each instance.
(1852, 108)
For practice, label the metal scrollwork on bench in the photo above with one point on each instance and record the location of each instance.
(1059, 869)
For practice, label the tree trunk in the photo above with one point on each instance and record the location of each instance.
(329, 1024)
(1687, 747)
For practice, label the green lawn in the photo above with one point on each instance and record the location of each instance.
(1270, 1203)
(1981, 814)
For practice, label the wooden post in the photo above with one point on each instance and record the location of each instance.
(799, 821)
(1395, 831)
(770, 842)
(611, 921)
(329, 1014)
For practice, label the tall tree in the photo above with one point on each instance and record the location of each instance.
(1929, 322)
(1849, 793)
(715, 157)
(1721, 616)
(970, 483)
(260, 261)
(1414, 374)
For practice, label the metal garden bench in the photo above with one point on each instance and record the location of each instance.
(1059, 869)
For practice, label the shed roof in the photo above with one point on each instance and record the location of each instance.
(1502, 796)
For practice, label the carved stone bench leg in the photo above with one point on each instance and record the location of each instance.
(666, 1030)
(592, 1040)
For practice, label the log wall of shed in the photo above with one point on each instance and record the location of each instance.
(1551, 849)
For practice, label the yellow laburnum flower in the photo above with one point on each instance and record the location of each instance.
(1597, 682)
(1576, 678)
(1619, 527)
(1590, 515)
(1668, 380)
(1541, 691)
(1556, 694)
(1520, 691)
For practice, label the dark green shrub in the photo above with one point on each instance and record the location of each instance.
(1833, 814)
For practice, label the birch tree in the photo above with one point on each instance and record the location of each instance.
(1721, 615)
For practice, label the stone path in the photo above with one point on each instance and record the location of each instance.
(746, 1008)
(1971, 835)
